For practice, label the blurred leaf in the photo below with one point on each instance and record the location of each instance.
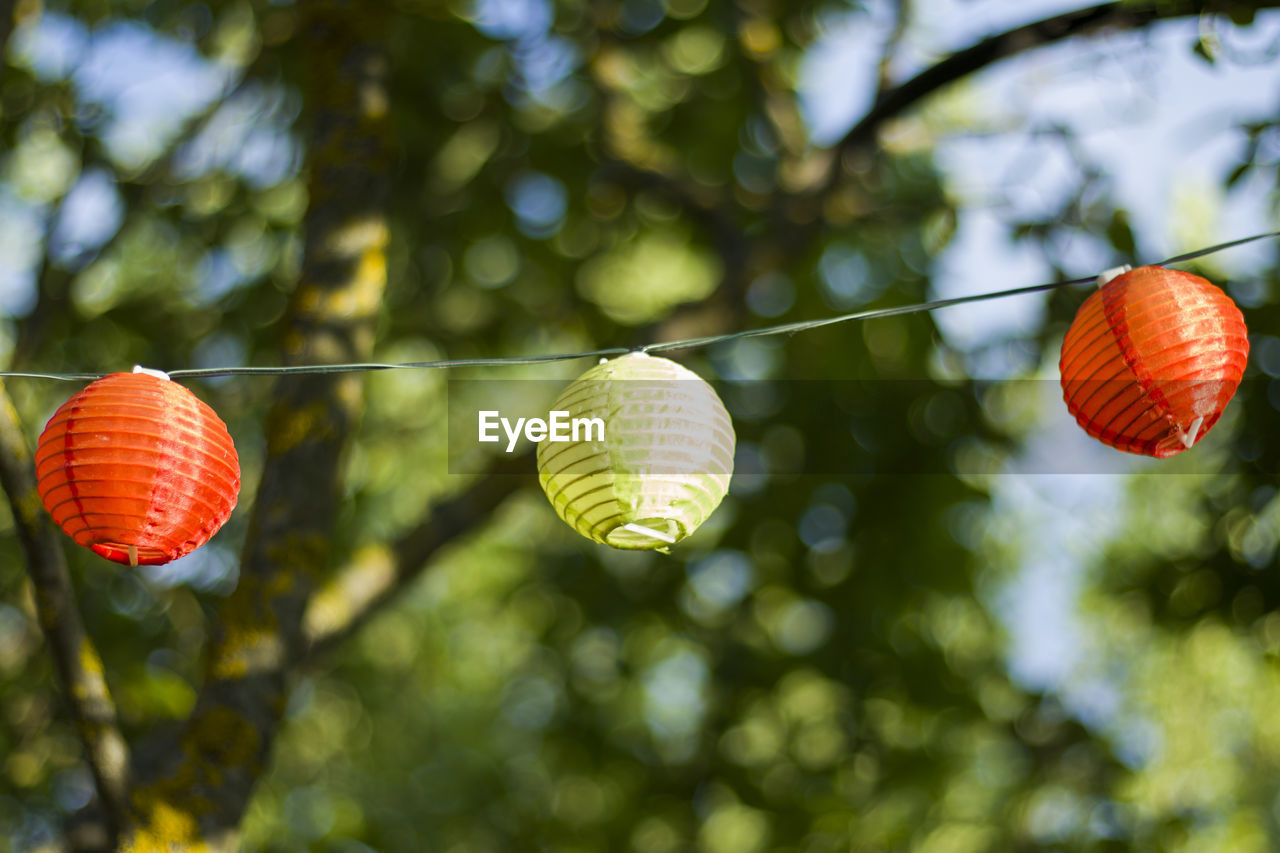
(1120, 234)
(1204, 49)
(1237, 174)
(646, 277)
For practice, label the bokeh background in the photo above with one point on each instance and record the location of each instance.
(931, 615)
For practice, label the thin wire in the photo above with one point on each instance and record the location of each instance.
(1200, 253)
(873, 314)
(667, 346)
(318, 369)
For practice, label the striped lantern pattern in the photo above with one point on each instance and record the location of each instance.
(138, 469)
(1152, 359)
(662, 465)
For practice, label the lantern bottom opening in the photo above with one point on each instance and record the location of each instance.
(131, 555)
(646, 534)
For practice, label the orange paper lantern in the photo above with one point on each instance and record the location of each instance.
(1151, 360)
(137, 469)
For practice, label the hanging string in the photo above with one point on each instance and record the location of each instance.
(666, 346)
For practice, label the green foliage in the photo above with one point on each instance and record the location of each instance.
(820, 667)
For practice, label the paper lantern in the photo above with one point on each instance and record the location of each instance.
(137, 469)
(660, 468)
(1151, 360)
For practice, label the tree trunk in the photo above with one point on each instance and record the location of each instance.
(196, 796)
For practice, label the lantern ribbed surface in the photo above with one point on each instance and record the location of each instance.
(137, 469)
(1152, 359)
(664, 463)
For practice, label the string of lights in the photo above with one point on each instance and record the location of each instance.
(664, 346)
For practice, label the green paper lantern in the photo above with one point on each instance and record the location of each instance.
(660, 468)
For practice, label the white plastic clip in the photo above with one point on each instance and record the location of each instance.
(1113, 273)
(649, 531)
(1189, 436)
(158, 374)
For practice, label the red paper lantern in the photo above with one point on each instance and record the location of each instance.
(1151, 360)
(138, 469)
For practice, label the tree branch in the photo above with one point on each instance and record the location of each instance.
(377, 575)
(895, 101)
(75, 658)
